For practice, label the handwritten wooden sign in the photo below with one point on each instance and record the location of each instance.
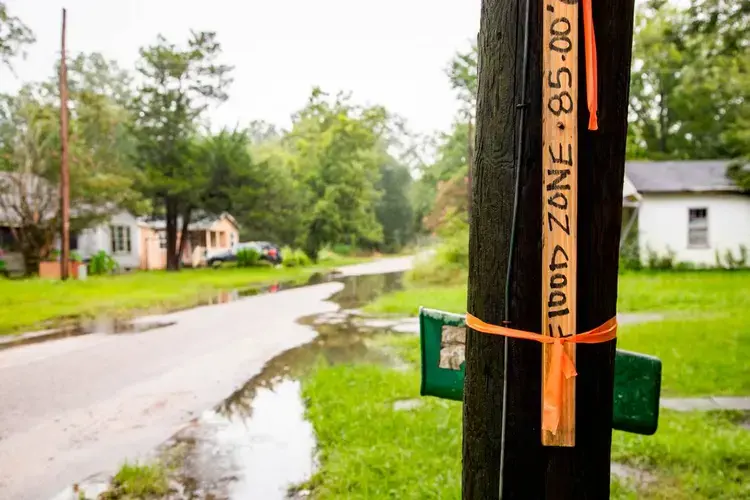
(559, 195)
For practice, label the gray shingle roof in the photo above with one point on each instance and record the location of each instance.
(679, 176)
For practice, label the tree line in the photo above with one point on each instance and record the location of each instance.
(342, 173)
(689, 99)
(141, 140)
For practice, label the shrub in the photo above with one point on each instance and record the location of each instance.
(661, 262)
(343, 249)
(685, 266)
(287, 257)
(53, 256)
(76, 257)
(630, 257)
(102, 263)
(294, 258)
(730, 262)
(248, 257)
(325, 254)
(448, 265)
(302, 258)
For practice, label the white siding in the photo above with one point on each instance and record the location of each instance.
(663, 224)
(92, 241)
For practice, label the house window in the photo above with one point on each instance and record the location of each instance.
(162, 239)
(698, 228)
(120, 239)
(213, 239)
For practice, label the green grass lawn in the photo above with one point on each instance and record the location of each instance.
(370, 450)
(703, 291)
(31, 303)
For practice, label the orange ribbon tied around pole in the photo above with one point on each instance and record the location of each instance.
(592, 76)
(561, 366)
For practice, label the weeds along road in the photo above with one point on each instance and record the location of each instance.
(82, 405)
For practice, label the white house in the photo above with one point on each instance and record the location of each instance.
(690, 208)
(118, 238)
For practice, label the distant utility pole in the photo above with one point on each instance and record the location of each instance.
(64, 166)
(533, 141)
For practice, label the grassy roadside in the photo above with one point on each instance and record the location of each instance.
(704, 343)
(371, 450)
(26, 304)
(703, 291)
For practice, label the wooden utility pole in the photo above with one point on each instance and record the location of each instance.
(64, 166)
(505, 147)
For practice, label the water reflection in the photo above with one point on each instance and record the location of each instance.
(257, 443)
(75, 326)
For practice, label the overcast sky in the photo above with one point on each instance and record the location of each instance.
(390, 52)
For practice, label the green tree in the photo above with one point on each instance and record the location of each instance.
(102, 174)
(462, 72)
(394, 209)
(260, 193)
(178, 85)
(690, 85)
(14, 36)
(337, 149)
(463, 77)
(278, 215)
(450, 166)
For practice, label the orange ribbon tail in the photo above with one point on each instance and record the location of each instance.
(592, 76)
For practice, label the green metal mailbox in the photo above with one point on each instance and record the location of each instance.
(637, 376)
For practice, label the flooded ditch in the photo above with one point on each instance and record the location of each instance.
(257, 443)
(135, 323)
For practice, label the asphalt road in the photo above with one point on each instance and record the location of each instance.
(76, 407)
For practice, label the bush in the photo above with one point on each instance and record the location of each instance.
(343, 249)
(325, 254)
(685, 266)
(664, 262)
(448, 266)
(630, 257)
(248, 257)
(730, 262)
(294, 258)
(53, 256)
(102, 263)
(302, 258)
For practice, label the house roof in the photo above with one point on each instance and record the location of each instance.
(199, 222)
(680, 176)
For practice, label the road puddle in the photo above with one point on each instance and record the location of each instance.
(257, 443)
(102, 324)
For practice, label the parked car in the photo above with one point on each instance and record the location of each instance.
(267, 251)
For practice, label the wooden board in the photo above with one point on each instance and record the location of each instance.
(560, 195)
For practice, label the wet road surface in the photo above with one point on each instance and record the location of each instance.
(79, 406)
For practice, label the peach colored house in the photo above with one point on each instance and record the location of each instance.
(205, 235)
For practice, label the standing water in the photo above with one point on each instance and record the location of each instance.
(257, 443)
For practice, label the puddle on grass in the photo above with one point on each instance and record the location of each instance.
(257, 443)
(74, 327)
